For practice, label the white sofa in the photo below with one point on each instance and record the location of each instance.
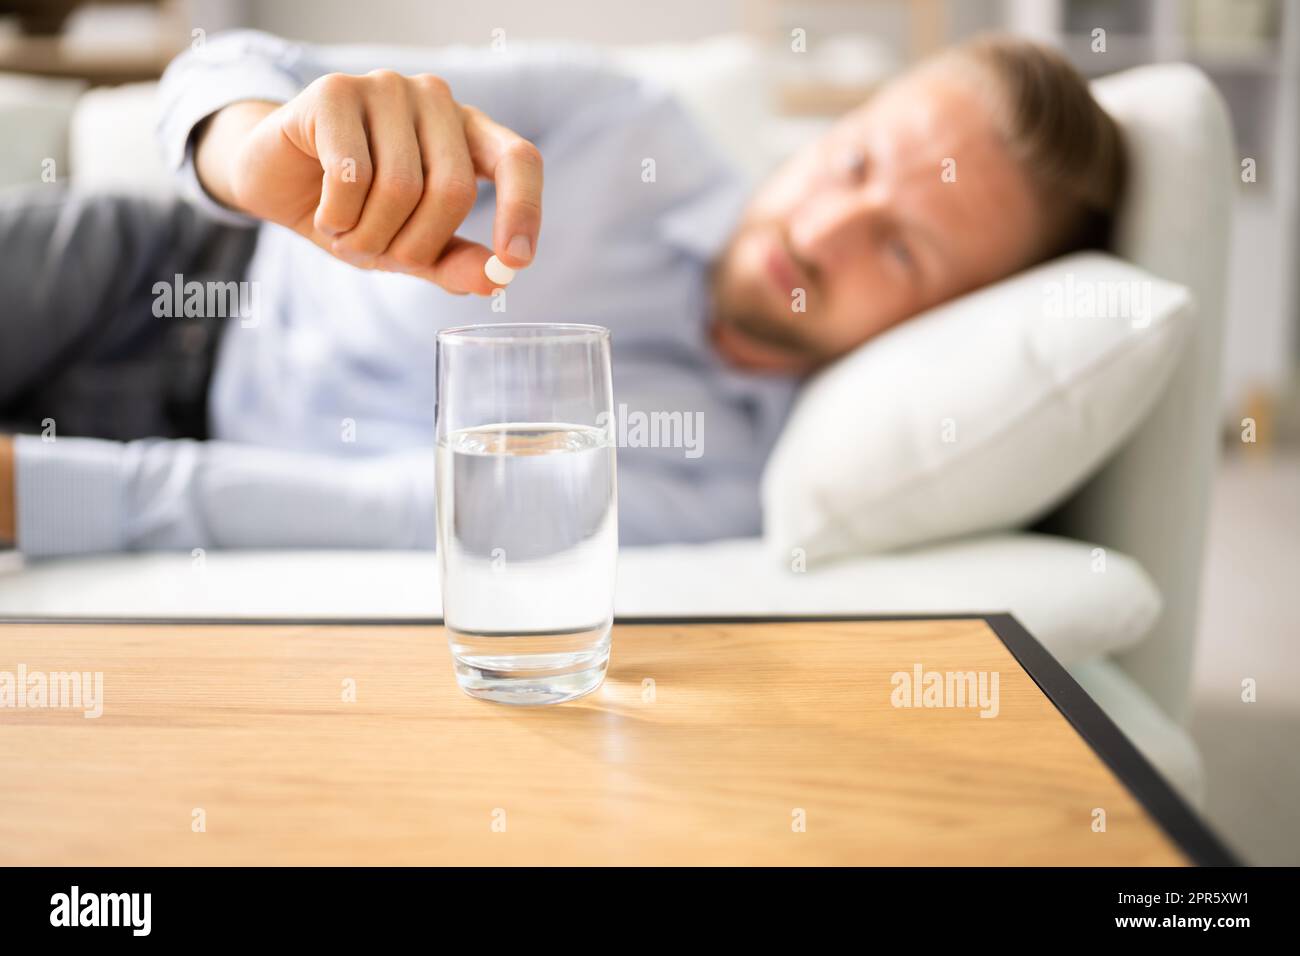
(1126, 635)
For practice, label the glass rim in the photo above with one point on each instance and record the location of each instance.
(506, 333)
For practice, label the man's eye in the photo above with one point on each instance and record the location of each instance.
(901, 251)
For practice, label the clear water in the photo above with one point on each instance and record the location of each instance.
(527, 544)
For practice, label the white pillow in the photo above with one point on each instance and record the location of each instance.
(111, 142)
(980, 414)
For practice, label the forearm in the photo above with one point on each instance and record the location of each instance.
(81, 495)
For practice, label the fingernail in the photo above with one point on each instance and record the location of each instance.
(520, 248)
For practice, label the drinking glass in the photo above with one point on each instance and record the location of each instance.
(527, 508)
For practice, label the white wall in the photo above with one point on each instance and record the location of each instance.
(619, 22)
(445, 21)
(1259, 347)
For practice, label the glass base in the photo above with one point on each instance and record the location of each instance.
(484, 669)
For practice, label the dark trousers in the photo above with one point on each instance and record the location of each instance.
(80, 343)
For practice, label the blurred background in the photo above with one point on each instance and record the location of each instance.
(76, 104)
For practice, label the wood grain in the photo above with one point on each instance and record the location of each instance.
(743, 728)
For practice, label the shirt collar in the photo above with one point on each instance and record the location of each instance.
(702, 224)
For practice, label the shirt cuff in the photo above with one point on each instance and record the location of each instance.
(193, 190)
(229, 82)
(69, 495)
(233, 83)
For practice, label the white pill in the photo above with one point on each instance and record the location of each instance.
(498, 271)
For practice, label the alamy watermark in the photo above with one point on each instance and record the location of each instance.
(661, 429)
(207, 300)
(1099, 299)
(922, 688)
(60, 690)
(75, 908)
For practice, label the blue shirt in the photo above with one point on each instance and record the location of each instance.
(323, 397)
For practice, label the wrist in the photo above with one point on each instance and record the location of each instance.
(217, 142)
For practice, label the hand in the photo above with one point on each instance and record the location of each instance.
(379, 170)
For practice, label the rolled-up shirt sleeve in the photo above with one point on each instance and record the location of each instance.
(231, 67)
(533, 90)
(242, 65)
(79, 495)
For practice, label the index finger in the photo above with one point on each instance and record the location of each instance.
(515, 165)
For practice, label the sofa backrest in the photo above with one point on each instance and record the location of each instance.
(1151, 500)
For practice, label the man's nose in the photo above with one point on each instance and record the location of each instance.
(833, 226)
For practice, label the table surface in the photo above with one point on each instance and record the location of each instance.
(771, 742)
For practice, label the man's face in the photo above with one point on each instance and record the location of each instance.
(866, 223)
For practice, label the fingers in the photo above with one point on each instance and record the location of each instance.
(399, 159)
(397, 180)
(449, 183)
(459, 268)
(515, 165)
(339, 140)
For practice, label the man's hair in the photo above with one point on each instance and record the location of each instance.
(1068, 145)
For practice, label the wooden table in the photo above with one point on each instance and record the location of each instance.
(711, 742)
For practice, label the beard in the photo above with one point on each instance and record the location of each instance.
(745, 305)
(762, 329)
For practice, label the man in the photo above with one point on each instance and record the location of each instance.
(381, 191)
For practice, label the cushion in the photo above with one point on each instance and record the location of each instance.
(978, 415)
(111, 142)
(34, 114)
(1076, 607)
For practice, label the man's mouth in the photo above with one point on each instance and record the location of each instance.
(767, 333)
(786, 274)
(781, 268)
